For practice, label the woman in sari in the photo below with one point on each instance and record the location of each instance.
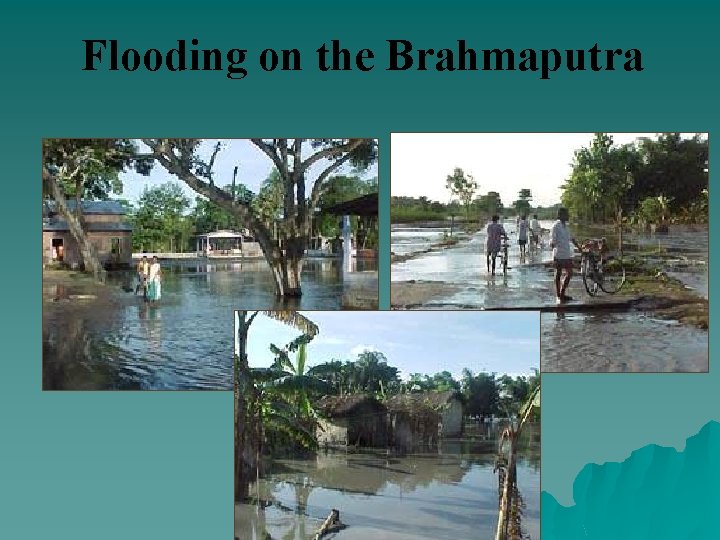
(153, 281)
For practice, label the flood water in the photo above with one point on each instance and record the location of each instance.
(111, 339)
(449, 493)
(406, 239)
(620, 342)
(526, 284)
(635, 341)
(529, 283)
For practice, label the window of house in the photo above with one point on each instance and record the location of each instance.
(115, 246)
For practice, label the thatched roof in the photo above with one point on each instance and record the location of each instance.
(434, 400)
(343, 406)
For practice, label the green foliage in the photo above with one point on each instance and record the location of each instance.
(159, 221)
(608, 180)
(208, 216)
(269, 201)
(463, 187)
(489, 204)
(438, 382)
(653, 209)
(411, 209)
(522, 205)
(481, 392)
(340, 189)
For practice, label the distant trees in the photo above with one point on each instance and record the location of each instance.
(370, 373)
(522, 204)
(489, 204)
(159, 221)
(463, 186)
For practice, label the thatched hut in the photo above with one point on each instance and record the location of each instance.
(422, 418)
(354, 420)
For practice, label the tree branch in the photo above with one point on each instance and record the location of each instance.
(348, 147)
(269, 151)
(318, 187)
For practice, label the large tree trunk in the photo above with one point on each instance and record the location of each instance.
(286, 267)
(87, 250)
(291, 268)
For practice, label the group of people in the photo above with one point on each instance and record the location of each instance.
(561, 243)
(496, 234)
(149, 279)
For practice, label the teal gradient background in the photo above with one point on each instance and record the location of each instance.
(159, 465)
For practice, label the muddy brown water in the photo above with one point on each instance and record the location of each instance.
(106, 338)
(449, 493)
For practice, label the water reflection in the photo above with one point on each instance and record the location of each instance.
(108, 338)
(449, 493)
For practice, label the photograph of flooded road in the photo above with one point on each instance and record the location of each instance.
(605, 233)
(389, 425)
(148, 245)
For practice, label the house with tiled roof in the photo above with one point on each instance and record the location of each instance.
(105, 224)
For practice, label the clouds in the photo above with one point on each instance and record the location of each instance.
(415, 341)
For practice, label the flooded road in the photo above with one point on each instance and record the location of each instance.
(597, 340)
(527, 283)
(105, 338)
(620, 342)
(450, 493)
(683, 255)
(406, 239)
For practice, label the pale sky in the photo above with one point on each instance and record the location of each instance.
(414, 341)
(502, 162)
(254, 168)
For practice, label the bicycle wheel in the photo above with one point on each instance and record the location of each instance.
(588, 276)
(612, 274)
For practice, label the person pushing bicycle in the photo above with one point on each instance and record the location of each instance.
(493, 243)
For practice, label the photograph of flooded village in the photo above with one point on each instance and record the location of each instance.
(148, 245)
(390, 425)
(605, 233)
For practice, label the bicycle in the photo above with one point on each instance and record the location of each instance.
(600, 272)
(504, 256)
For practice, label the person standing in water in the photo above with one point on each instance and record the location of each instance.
(495, 234)
(143, 269)
(561, 241)
(522, 235)
(153, 280)
(535, 231)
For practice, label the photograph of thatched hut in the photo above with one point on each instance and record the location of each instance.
(351, 420)
(345, 428)
(422, 418)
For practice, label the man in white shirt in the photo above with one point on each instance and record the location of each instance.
(522, 229)
(560, 241)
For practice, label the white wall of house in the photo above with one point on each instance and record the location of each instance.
(452, 419)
